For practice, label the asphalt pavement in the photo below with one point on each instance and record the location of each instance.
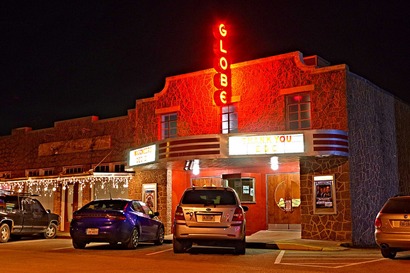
(275, 239)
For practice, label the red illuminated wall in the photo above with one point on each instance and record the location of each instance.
(257, 87)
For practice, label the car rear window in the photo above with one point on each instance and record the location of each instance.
(209, 197)
(106, 205)
(399, 205)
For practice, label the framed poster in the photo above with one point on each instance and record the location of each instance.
(324, 197)
(149, 195)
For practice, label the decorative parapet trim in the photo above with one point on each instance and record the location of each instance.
(196, 146)
(327, 142)
(297, 89)
(167, 110)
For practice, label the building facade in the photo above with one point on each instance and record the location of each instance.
(70, 164)
(306, 145)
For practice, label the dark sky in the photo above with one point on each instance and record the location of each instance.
(69, 59)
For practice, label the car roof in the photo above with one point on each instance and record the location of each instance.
(209, 188)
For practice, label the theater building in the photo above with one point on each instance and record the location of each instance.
(307, 145)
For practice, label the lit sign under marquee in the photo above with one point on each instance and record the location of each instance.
(222, 79)
(269, 144)
(142, 155)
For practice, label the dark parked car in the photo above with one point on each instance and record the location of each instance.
(116, 221)
(211, 216)
(22, 215)
(392, 226)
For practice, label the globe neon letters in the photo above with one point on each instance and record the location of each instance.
(222, 79)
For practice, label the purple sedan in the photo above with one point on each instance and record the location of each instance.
(114, 221)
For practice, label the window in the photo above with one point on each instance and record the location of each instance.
(109, 167)
(31, 173)
(5, 175)
(229, 119)
(39, 172)
(48, 172)
(169, 125)
(209, 197)
(71, 170)
(298, 111)
(102, 168)
(119, 168)
(244, 187)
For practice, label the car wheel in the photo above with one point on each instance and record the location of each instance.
(51, 231)
(388, 253)
(134, 239)
(78, 244)
(160, 236)
(240, 247)
(4, 233)
(180, 246)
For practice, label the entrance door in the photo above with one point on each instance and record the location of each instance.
(284, 201)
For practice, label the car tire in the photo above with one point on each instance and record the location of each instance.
(160, 236)
(133, 241)
(180, 246)
(388, 253)
(240, 247)
(4, 233)
(51, 231)
(78, 244)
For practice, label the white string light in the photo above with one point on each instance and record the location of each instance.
(46, 187)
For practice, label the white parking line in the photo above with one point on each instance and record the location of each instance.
(322, 264)
(61, 248)
(365, 262)
(279, 258)
(24, 242)
(158, 252)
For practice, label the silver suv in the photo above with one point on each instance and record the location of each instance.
(211, 216)
(392, 226)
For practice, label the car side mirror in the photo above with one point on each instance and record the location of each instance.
(245, 208)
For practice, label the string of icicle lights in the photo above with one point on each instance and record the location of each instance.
(46, 187)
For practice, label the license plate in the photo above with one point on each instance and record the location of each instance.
(91, 231)
(208, 218)
(405, 223)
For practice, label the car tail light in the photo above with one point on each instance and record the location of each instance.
(378, 223)
(77, 217)
(119, 217)
(179, 214)
(238, 215)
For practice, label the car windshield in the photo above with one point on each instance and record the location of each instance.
(209, 197)
(106, 205)
(398, 205)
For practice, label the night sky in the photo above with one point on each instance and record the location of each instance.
(69, 59)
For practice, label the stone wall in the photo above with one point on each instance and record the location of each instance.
(403, 145)
(373, 155)
(334, 227)
(159, 177)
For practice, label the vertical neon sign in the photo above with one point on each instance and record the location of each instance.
(222, 79)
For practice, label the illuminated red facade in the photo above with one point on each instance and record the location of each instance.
(260, 89)
(322, 123)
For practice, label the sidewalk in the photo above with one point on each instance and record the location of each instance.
(274, 239)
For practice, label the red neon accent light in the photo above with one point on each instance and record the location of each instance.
(222, 64)
(297, 98)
